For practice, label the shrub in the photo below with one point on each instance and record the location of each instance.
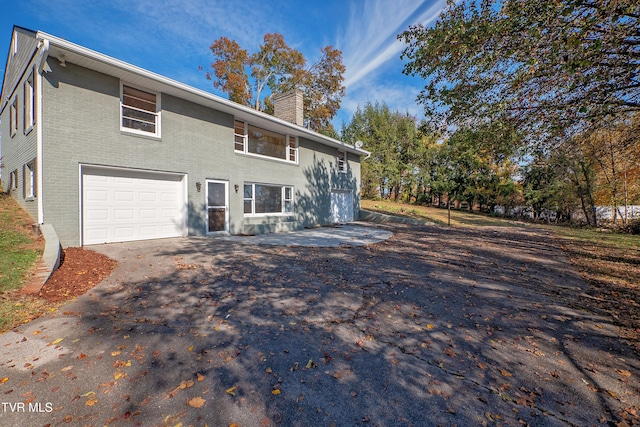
(633, 226)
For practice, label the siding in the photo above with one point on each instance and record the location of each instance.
(20, 149)
(17, 64)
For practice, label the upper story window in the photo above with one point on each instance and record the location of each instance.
(250, 139)
(240, 135)
(140, 111)
(14, 44)
(29, 104)
(13, 117)
(342, 161)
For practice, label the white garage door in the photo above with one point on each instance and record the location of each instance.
(341, 205)
(125, 205)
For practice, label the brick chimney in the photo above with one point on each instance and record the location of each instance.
(289, 106)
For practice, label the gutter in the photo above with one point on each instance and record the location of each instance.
(41, 63)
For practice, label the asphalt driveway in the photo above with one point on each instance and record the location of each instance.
(433, 326)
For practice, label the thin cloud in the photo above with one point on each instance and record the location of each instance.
(372, 54)
(370, 40)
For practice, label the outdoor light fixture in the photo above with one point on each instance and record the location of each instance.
(237, 187)
(198, 186)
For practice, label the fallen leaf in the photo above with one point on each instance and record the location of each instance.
(275, 391)
(429, 326)
(232, 390)
(191, 348)
(201, 377)
(186, 384)
(624, 373)
(54, 342)
(115, 353)
(91, 402)
(505, 373)
(89, 393)
(4, 380)
(196, 402)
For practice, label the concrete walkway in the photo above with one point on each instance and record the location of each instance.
(354, 234)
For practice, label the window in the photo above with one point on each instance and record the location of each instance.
(29, 104)
(140, 111)
(342, 161)
(14, 44)
(29, 181)
(13, 185)
(240, 136)
(268, 199)
(13, 117)
(250, 139)
(293, 148)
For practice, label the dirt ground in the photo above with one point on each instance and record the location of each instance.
(436, 326)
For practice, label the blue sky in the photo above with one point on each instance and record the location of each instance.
(172, 38)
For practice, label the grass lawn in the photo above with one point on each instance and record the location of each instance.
(608, 261)
(436, 215)
(19, 250)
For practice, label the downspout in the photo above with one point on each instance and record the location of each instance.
(44, 50)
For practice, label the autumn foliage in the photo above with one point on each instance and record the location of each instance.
(252, 79)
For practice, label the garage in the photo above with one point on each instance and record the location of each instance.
(341, 205)
(120, 205)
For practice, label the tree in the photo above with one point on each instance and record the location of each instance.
(392, 138)
(613, 149)
(229, 70)
(475, 165)
(323, 89)
(553, 67)
(560, 182)
(277, 68)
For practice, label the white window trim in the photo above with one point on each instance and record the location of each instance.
(253, 213)
(341, 160)
(29, 104)
(14, 179)
(29, 180)
(245, 145)
(13, 117)
(14, 44)
(158, 113)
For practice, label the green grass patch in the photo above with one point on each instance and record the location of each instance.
(435, 215)
(597, 237)
(15, 263)
(18, 248)
(19, 251)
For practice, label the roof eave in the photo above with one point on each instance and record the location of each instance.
(206, 97)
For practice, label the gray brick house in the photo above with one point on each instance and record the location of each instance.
(106, 151)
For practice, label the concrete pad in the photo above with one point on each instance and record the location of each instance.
(339, 235)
